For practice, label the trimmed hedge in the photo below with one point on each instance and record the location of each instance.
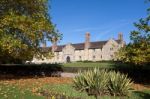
(30, 70)
(140, 75)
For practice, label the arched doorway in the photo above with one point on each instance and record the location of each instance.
(68, 59)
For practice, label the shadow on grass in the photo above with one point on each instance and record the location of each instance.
(142, 94)
(138, 73)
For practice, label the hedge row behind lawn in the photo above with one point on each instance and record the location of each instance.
(29, 70)
(137, 74)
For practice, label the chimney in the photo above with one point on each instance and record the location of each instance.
(120, 36)
(87, 40)
(54, 42)
(44, 43)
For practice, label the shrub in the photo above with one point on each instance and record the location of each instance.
(94, 82)
(119, 84)
(101, 82)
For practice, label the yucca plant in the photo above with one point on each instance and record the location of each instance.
(94, 82)
(119, 84)
(102, 82)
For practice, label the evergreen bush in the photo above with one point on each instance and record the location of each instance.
(102, 82)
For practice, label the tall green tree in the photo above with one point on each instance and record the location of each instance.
(138, 50)
(24, 25)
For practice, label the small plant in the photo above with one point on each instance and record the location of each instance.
(101, 82)
(119, 84)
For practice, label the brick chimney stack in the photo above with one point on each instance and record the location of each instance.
(87, 40)
(120, 36)
(54, 44)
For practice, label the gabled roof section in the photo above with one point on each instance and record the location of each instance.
(97, 45)
(80, 46)
(59, 48)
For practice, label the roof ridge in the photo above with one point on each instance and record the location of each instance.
(80, 46)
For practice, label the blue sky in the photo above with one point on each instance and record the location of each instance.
(104, 19)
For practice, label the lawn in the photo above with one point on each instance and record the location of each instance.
(95, 64)
(89, 64)
(24, 87)
(48, 87)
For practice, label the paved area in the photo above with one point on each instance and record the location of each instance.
(71, 75)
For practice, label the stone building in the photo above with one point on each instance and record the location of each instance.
(86, 51)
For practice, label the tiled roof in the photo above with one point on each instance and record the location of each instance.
(80, 46)
(97, 45)
(59, 48)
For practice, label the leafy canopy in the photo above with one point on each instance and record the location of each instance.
(24, 25)
(138, 50)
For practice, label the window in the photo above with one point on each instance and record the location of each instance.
(94, 57)
(111, 49)
(101, 56)
(93, 50)
(80, 57)
(111, 56)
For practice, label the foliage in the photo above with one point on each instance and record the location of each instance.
(119, 84)
(26, 89)
(138, 50)
(24, 25)
(101, 82)
(64, 91)
(93, 82)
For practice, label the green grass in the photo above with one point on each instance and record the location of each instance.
(14, 92)
(141, 94)
(68, 90)
(95, 64)
(92, 64)
(104, 64)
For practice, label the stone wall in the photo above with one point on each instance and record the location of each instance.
(69, 53)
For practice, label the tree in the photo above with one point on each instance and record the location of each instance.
(138, 50)
(24, 25)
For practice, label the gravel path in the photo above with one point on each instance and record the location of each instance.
(71, 75)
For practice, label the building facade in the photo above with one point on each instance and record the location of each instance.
(87, 51)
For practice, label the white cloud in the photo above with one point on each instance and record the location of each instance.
(111, 27)
(86, 29)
